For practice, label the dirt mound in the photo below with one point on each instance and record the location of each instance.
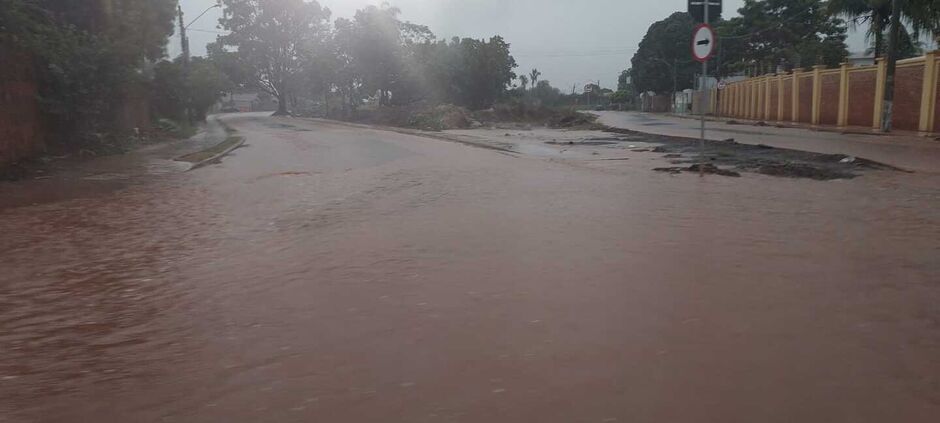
(571, 119)
(439, 118)
(521, 112)
(419, 116)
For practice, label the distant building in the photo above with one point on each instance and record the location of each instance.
(860, 59)
(248, 102)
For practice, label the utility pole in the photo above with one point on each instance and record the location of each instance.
(887, 109)
(184, 41)
(185, 45)
(675, 83)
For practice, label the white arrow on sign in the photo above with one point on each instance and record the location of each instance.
(703, 42)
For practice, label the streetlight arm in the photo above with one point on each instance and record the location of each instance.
(202, 14)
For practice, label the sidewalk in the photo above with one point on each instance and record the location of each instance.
(914, 153)
(71, 177)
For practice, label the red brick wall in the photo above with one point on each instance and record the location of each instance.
(20, 119)
(909, 82)
(806, 99)
(829, 104)
(862, 98)
(788, 100)
(134, 108)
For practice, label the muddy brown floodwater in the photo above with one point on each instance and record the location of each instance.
(337, 274)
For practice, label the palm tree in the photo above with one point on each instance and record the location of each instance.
(534, 77)
(922, 16)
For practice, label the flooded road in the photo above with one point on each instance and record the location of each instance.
(337, 274)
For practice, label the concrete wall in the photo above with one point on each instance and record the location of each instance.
(845, 96)
(21, 132)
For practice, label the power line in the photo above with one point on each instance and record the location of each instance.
(207, 30)
(578, 54)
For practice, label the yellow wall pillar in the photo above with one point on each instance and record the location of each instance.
(843, 119)
(795, 104)
(732, 98)
(755, 97)
(780, 94)
(758, 96)
(928, 99)
(879, 93)
(767, 85)
(817, 93)
(749, 98)
(745, 99)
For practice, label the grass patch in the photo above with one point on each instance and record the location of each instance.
(209, 153)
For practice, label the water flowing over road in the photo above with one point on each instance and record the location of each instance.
(338, 274)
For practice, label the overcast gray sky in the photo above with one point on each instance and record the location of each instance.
(570, 41)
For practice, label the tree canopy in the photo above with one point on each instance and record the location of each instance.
(273, 39)
(87, 52)
(919, 17)
(663, 61)
(785, 33)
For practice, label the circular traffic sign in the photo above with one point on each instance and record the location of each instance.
(703, 42)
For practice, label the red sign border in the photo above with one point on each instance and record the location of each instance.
(714, 43)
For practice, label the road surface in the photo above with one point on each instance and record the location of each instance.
(335, 274)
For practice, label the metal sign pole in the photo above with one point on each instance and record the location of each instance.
(704, 87)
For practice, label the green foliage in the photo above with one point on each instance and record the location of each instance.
(622, 97)
(288, 50)
(918, 17)
(467, 72)
(87, 54)
(175, 91)
(546, 94)
(624, 81)
(786, 33)
(379, 46)
(271, 39)
(663, 61)
(206, 84)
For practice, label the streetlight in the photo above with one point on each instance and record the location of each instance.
(185, 44)
(183, 38)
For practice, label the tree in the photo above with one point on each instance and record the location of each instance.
(229, 63)
(782, 33)
(272, 37)
(380, 46)
(663, 62)
(624, 80)
(546, 94)
(176, 91)
(343, 76)
(534, 77)
(467, 72)
(921, 16)
(87, 55)
(524, 82)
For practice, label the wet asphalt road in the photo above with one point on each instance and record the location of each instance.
(334, 274)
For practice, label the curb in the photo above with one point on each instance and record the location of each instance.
(239, 143)
(847, 130)
(415, 132)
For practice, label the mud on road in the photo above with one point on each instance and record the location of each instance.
(728, 158)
